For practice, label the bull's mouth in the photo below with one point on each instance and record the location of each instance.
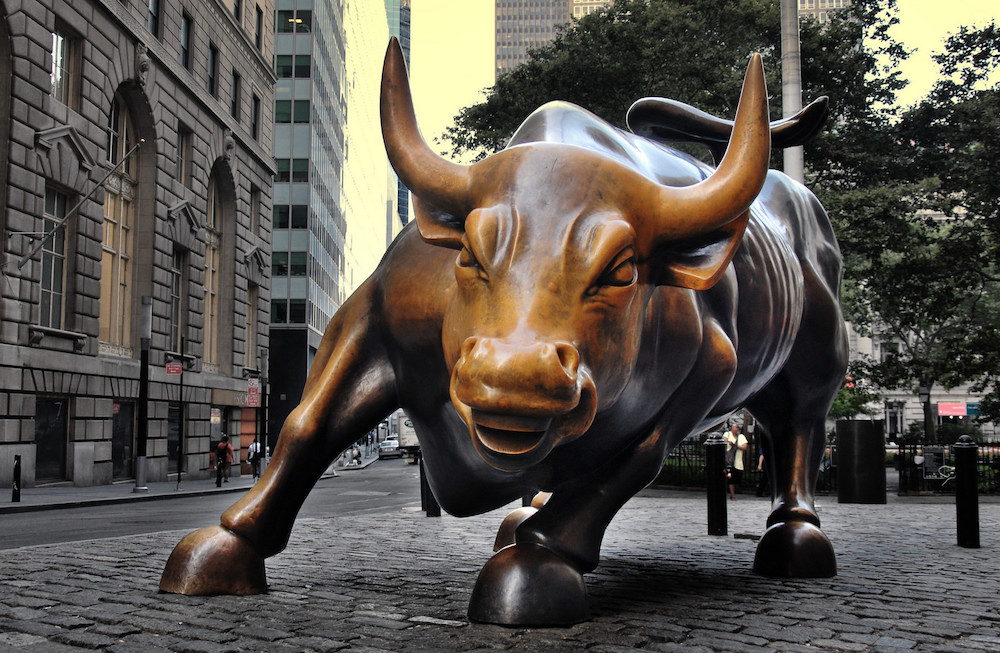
(509, 435)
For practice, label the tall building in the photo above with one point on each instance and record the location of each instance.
(820, 9)
(398, 14)
(136, 217)
(521, 25)
(332, 193)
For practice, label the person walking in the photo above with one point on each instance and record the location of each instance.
(253, 457)
(223, 459)
(736, 447)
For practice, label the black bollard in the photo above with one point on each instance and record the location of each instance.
(715, 474)
(16, 492)
(967, 492)
(427, 501)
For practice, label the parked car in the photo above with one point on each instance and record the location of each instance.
(389, 449)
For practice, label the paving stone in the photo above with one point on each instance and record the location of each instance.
(662, 585)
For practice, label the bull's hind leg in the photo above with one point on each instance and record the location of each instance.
(792, 410)
(348, 391)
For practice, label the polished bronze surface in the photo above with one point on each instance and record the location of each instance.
(556, 319)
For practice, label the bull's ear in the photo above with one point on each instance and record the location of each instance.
(699, 263)
(437, 226)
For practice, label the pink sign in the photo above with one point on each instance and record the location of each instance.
(951, 409)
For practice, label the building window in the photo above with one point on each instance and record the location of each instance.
(289, 66)
(116, 243)
(258, 28)
(254, 209)
(53, 280)
(65, 73)
(153, 17)
(279, 264)
(186, 25)
(288, 20)
(178, 298)
(291, 312)
(255, 117)
(213, 70)
(251, 331)
(238, 10)
(295, 216)
(185, 152)
(213, 239)
(286, 111)
(294, 170)
(234, 96)
(303, 66)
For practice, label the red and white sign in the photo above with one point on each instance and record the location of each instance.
(175, 368)
(951, 409)
(253, 393)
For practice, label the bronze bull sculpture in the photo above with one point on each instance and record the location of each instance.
(609, 297)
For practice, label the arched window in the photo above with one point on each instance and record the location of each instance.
(213, 247)
(118, 239)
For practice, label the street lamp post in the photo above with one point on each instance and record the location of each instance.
(184, 360)
(925, 400)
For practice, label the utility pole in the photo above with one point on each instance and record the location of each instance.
(791, 82)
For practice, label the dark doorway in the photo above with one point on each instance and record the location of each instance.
(51, 419)
(174, 416)
(122, 433)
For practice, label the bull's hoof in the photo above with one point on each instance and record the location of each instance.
(505, 535)
(528, 585)
(211, 561)
(795, 550)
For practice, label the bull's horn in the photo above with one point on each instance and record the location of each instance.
(433, 179)
(718, 200)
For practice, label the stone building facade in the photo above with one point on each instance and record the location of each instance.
(137, 153)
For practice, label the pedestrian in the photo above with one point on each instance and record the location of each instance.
(223, 459)
(736, 446)
(762, 482)
(253, 457)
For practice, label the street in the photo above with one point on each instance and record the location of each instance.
(384, 486)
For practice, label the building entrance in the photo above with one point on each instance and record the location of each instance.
(122, 433)
(50, 438)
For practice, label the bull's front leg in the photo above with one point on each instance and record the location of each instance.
(349, 389)
(538, 579)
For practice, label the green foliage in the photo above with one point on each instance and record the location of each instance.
(695, 51)
(856, 395)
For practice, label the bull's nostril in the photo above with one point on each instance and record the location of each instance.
(569, 357)
(468, 346)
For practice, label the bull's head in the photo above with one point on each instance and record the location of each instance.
(560, 250)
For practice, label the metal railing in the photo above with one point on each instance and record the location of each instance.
(926, 468)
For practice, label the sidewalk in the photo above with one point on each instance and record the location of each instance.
(64, 495)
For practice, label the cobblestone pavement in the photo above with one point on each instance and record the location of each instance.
(402, 581)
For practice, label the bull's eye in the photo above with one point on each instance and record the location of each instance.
(468, 260)
(620, 273)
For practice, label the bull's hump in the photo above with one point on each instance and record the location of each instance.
(568, 124)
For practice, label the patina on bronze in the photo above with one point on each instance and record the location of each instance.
(559, 316)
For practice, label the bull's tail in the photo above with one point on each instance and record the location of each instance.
(670, 121)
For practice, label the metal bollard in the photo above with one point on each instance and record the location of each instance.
(715, 475)
(16, 492)
(427, 501)
(967, 492)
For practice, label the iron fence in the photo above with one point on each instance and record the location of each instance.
(930, 468)
(685, 468)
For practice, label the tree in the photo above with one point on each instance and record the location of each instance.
(856, 396)
(695, 51)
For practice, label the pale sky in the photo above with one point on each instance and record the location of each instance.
(452, 50)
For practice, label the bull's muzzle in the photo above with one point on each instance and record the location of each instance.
(521, 400)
